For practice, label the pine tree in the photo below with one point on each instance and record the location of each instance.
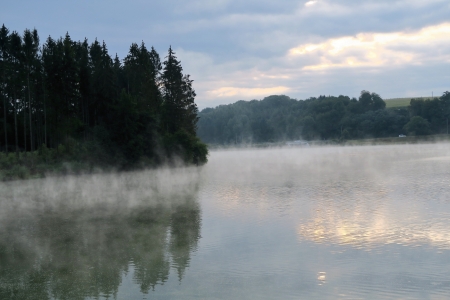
(71, 89)
(180, 110)
(15, 62)
(190, 117)
(4, 59)
(172, 93)
(49, 70)
(30, 51)
(179, 113)
(153, 92)
(103, 83)
(70, 76)
(82, 57)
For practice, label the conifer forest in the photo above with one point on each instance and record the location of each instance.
(73, 99)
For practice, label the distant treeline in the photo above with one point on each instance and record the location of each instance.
(280, 118)
(73, 97)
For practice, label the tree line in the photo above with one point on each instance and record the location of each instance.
(75, 96)
(280, 118)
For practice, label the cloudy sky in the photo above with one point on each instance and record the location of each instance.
(243, 50)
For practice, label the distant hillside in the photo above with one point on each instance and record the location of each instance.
(280, 118)
(403, 102)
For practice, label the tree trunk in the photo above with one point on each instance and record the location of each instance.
(4, 124)
(24, 129)
(45, 115)
(4, 104)
(45, 124)
(29, 113)
(15, 125)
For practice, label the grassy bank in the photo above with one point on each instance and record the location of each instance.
(30, 165)
(438, 138)
(74, 157)
(71, 158)
(45, 161)
(397, 140)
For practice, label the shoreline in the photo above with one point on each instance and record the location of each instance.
(34, 165)
(426, 139)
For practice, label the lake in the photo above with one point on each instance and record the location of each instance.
(369, 222)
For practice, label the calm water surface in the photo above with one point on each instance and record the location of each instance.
(298, 223)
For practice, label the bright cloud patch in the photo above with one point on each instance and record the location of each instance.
(392, 64)
(310, 3)
(377, 49)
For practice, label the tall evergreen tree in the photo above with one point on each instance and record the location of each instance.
(70, 76)
(50, 63)
(180, 110)
(70, 90)
(103, 82)
(82, 55)
(16, 80)
(4, 60)
(153, 86)
(30, 51)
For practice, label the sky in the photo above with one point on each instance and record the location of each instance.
(244, 50)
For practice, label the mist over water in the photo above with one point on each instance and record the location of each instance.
(76, 237)
(365, 222)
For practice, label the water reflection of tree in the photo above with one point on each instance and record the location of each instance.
(185, 232)
(84, 253)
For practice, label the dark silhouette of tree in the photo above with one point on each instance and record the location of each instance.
(75, 98)
(16, 78)
(179, 108)
(31, 60)
(4, 62)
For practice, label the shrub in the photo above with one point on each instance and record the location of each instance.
(44, 153)
(417, 126)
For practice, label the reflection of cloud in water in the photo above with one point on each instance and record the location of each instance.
(400, 207)
(370, 234)
(364, 197)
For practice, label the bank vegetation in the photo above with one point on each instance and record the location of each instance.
(70, 102)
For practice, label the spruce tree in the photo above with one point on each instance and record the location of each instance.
(180, 110)
(70, 76)
(70, 89)
(15, 63)
(82, 54)
(154, 94)
(49, 70)
(30, 51)
(172, 93)
(4, 59)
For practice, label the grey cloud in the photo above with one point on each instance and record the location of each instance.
(226, 27)
(400, 82)
(220, 42)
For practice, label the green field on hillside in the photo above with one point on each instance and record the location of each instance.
(402, 102)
